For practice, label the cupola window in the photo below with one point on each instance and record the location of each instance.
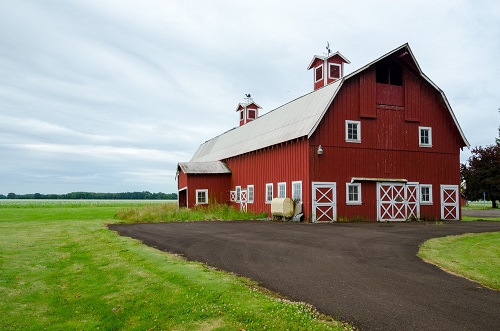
(318, 73)
(333, 71)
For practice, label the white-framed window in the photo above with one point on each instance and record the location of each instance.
(250, 193)
(282, 190)
(334, 71)
(318, 73)
(297, 191)
(353, 131)
(252, 114)
(238, 193)
(425, 136)
(353, 193)
(201, 197)
(269, 192)
(425, 194)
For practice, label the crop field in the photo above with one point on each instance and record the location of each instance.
(62, 269)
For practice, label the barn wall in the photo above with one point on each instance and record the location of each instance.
(218, 186)
(389, 145)
(285, 162)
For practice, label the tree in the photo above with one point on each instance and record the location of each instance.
(481, 173)
(11, 196)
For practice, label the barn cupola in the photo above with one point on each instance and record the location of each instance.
(327, 68)
(248, 110)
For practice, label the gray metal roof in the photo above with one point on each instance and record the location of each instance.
(215, 167)
(295, 119)
(292, 120)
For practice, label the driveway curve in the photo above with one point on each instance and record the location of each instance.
(367, 274)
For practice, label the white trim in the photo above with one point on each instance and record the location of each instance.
(329, 71)
(253, 193)
(187, 196)
(354, 202)
(271, 185)
(429, 130)
(280, 185)
(422, 202)
(322, 73)
(238, 193)
(331, 205)
(358, 131)
(295, 183)
(446, 211)
(206, 197)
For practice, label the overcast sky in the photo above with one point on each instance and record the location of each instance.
(108, 95)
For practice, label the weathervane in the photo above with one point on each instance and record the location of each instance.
(248, 97)
(328, 50)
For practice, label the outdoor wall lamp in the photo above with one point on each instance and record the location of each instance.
(320, 150)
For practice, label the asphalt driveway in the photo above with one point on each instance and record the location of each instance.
(367, 274)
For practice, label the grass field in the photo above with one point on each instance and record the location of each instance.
(474, 256)
(62, 269)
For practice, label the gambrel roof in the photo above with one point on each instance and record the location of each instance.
(295, 119)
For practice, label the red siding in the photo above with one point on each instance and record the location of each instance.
(218, 186)
(367, 93)
(389, 146)
(285, 162)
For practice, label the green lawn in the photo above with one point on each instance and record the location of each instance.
(475, 256)
(471, 218)
(62, 269)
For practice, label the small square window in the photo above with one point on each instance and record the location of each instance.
(425, 136)
(353, 131)
(269, 193)
(426, 194)
(250, 193)
(333, 71)
(297, 191)
(251, 114)
(318, 74)
(201, 197)
(281, 190)
(353, 194)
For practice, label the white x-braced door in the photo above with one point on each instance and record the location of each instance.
(449, 202)
(398, 201)
(324, 202)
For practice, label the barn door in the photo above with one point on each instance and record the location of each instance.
(412, 201)
(449, 202)
(324, 206)
(391, 202)
(243, 200)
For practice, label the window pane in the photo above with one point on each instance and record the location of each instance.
(319, 73)
(334, 71)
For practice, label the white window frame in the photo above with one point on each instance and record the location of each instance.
(322, 73)
(329, 71)
(347, 195)
(238, 193)
(358, 130)
(250, 193)
(281, 186)
(295, 197)
(427, 186)
(205, 191)
(420, 130)
(269, 198)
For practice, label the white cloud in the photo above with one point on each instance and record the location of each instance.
(110, 95)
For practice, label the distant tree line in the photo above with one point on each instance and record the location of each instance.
(95, 196)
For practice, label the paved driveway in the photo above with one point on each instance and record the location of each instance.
(366, 274)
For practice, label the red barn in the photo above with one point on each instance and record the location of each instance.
(381, 143)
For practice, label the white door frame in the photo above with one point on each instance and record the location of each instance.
(330, 204)
(398, 201)
(448, 206)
